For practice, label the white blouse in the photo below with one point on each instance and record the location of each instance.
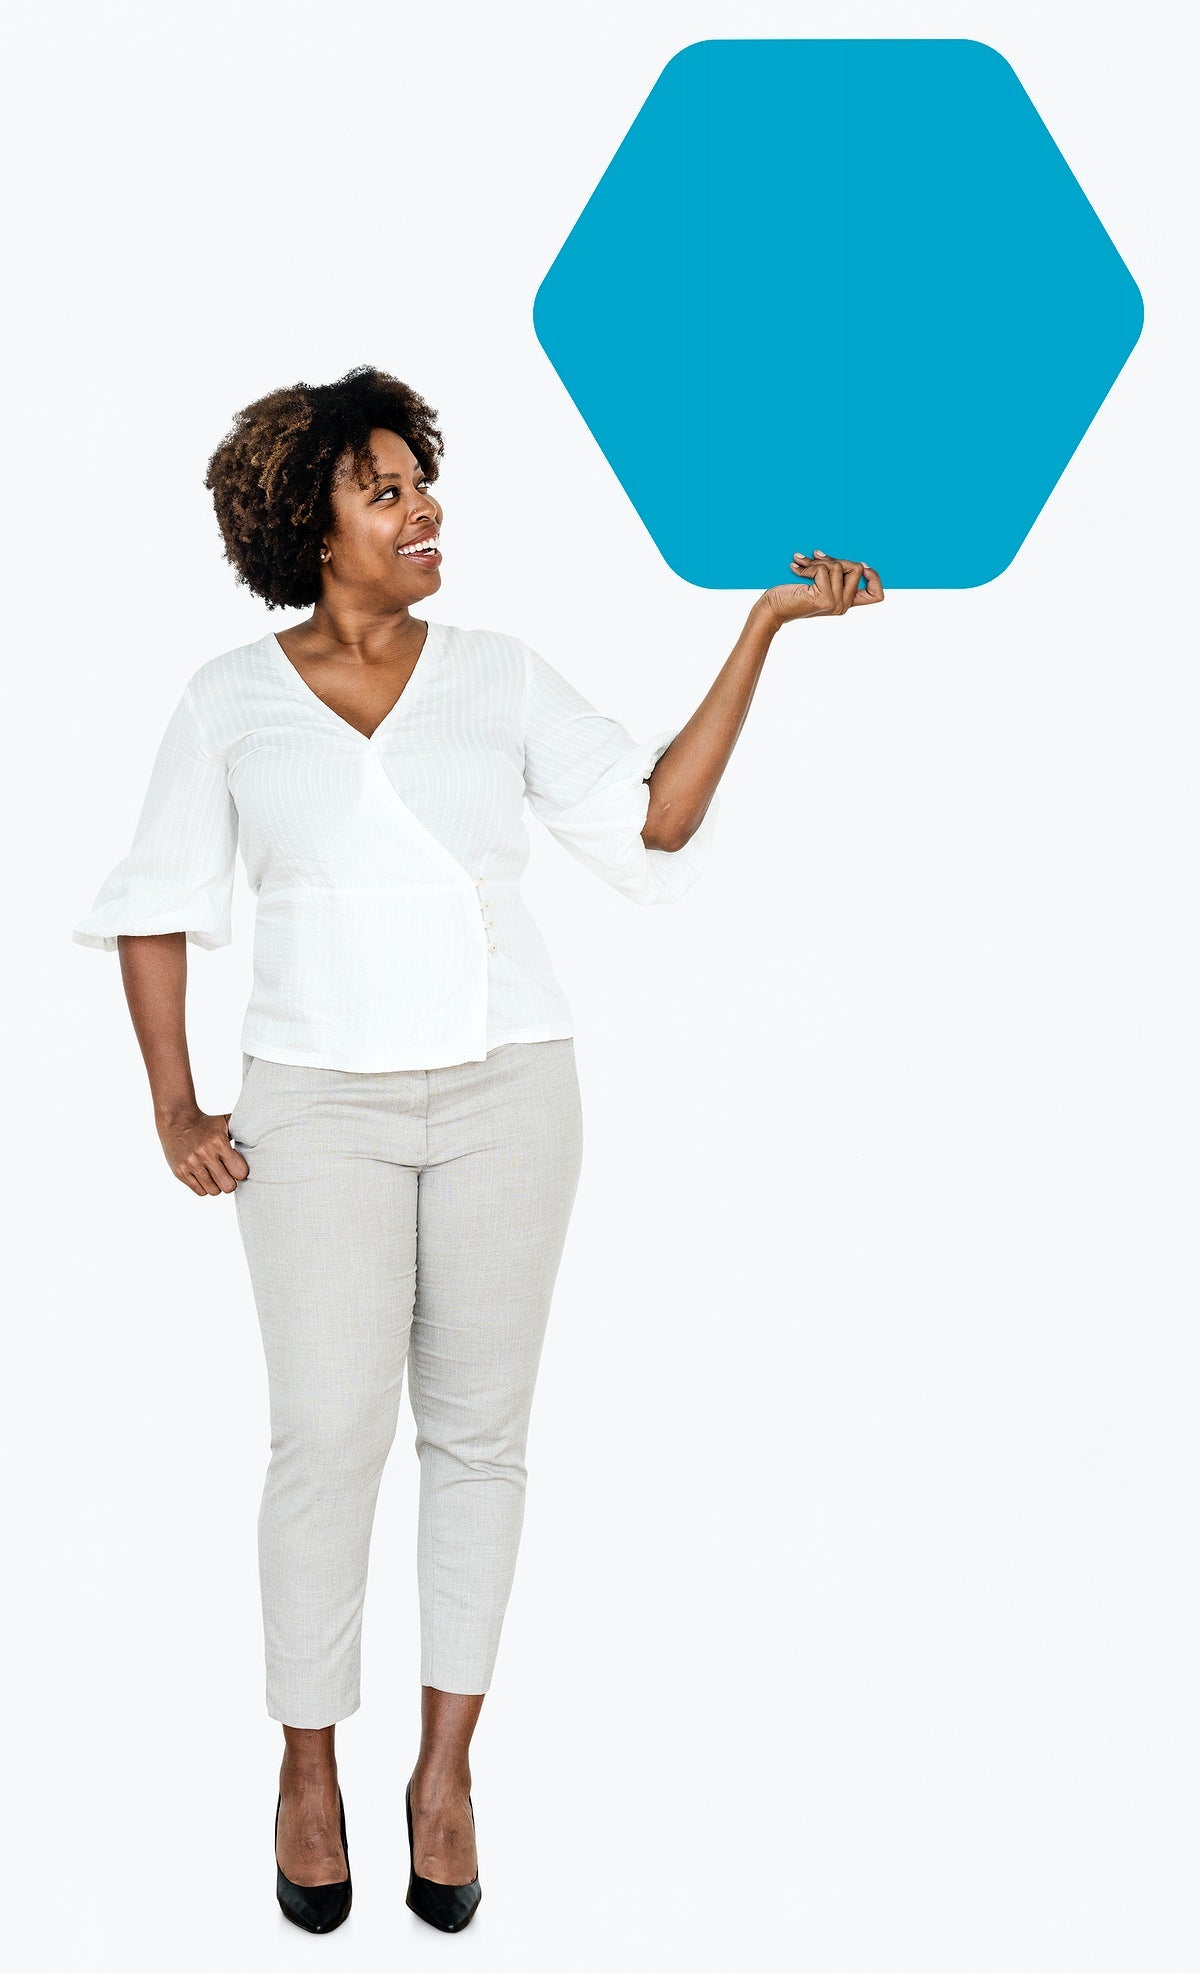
(390, 931)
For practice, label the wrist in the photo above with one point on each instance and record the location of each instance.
(170, 1112)
(763, 618)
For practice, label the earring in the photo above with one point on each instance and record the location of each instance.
(324, 554)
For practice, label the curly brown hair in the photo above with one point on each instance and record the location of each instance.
(271, 477)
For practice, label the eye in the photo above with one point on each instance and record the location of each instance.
(423, 482)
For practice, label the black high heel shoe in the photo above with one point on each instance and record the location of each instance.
(448, 1906)
(317, 1907)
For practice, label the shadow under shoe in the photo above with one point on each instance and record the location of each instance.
(448, 1906)
(317, 1907)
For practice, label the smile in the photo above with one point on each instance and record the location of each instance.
(424, 550)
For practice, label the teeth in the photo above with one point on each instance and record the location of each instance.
(419, 547)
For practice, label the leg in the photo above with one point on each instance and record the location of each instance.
(493, 1204)
(328, 1222)
(308, 1843)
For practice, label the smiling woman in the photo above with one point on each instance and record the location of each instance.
(300, 462)
(407, 1061)
(324, 496)
(407, 1051)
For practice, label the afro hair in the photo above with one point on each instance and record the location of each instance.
(272, 476)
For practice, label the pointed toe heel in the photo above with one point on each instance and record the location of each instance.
(448, 1906)
(317, 1907)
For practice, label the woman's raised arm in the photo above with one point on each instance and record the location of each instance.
(685, 778)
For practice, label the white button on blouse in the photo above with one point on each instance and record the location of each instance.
(390, 932)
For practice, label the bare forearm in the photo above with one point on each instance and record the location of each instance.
(685, 779)
(154, 974)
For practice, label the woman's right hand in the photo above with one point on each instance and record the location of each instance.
(201, 1153)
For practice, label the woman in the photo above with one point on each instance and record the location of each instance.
(407, 1141)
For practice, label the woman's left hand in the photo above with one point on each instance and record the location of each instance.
(830, 593)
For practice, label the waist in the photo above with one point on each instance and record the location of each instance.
(402, 887)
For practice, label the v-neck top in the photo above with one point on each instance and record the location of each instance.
(390, 931)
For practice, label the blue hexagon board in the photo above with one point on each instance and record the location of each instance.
(843, 295)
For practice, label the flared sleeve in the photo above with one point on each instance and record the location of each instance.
(587, 779)
(178, 874)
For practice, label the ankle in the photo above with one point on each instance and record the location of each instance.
(296, 1775)
(437, 1779)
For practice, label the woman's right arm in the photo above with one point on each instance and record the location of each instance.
(197, 1146)
(172, 889)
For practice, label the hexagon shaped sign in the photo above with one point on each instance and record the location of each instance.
(838, 294)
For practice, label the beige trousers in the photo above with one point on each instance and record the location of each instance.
(411, 1216)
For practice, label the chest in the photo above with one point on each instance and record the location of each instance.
(363, 696)
(324, 771)
(331, 804)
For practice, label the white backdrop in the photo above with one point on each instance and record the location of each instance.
(873, 1650)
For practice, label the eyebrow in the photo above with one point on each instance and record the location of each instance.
(376, 478)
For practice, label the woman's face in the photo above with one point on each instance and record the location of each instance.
(376, 523)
